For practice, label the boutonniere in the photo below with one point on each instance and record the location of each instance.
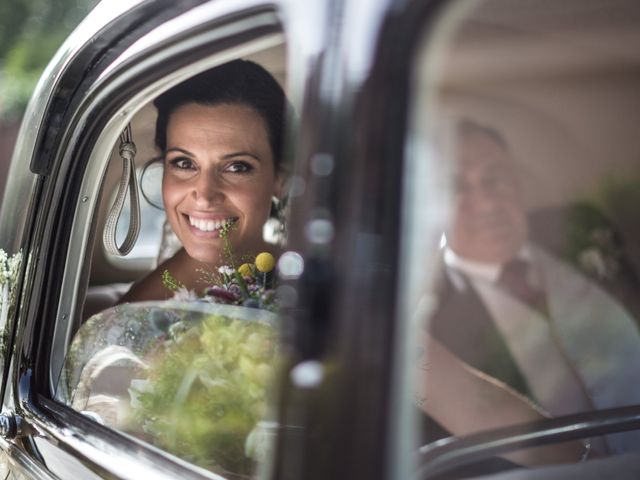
(602, 258)
(593, 244)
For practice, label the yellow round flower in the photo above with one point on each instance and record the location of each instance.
(245, 270)
(265, 262)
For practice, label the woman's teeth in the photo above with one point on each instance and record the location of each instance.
(208, 225)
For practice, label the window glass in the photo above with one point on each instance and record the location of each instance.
(193, 378)
(185, 358)
(521, 187)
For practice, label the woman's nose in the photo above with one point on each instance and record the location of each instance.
(208, 189)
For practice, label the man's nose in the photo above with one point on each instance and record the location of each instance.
(479, 198)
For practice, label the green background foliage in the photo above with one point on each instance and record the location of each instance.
(30, 33)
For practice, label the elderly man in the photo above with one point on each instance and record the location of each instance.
(513, 310)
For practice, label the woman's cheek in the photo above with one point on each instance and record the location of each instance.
(170, 192)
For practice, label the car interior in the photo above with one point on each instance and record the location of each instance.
(558, 83)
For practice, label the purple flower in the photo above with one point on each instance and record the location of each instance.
(220, 294)
(235, 290)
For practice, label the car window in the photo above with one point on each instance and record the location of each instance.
(191, 371)
(520, 240)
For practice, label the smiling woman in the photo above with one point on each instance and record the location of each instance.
(220, 134)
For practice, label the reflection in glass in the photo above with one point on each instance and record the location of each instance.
(531, 310)
(192, 378)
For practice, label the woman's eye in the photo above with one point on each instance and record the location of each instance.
(182, 163)
(239, 167)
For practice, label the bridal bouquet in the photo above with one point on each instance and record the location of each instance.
(207, 387)
(208, 380)
(192, 375)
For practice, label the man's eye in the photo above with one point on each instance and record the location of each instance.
(239, 167)
(181, 163)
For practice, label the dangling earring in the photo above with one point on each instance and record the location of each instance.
(278, 224)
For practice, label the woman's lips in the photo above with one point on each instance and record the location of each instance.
(209, 227)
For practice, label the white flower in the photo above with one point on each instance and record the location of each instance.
(226, 270)
(14, 264)
(592, 260)
(185, 295)
(5, 271)
(9, 266)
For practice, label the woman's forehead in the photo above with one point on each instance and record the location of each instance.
(218, 123)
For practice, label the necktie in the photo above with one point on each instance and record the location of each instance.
(515, 279)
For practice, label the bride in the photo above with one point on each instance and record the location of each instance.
(220, 135)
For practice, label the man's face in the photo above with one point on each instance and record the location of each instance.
(489, 223)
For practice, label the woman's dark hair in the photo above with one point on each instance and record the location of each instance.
(237, 82)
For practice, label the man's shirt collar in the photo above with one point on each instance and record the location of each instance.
(479, 270)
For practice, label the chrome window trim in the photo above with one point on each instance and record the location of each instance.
(98, 163)
(18, 460)
(100, 453)
(97, 20)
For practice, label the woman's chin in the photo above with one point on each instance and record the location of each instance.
(209, 257)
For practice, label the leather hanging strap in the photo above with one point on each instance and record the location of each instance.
(127, 181)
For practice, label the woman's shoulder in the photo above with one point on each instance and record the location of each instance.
(151, 286)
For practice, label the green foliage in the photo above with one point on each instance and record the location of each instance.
(620, 196)
(30, 33)
(225, 231)
(207, 389)
(170, 282)
(604, 226)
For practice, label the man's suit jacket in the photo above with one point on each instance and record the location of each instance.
(595, 330)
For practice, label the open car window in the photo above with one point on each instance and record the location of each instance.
(520, 242)
(192, 372)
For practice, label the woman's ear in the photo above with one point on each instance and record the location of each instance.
(281, 184)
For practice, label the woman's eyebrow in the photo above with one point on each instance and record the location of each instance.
(181, 150)
(241, 154)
